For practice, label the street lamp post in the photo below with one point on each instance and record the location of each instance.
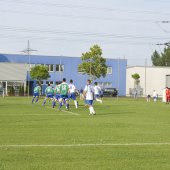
(28, 51)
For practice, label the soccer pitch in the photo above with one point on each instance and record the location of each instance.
(126, 134)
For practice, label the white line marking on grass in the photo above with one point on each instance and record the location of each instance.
(35, 114)
(86, 145)
(76, 114)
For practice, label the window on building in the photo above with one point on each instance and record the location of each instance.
(105, 84)
(49, 82)
(100, 84)
(32, 65)
(109, 70)
(57, 67)
(50, 67)
(39, 64)
(60, 67)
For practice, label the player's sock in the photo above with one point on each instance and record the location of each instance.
(90, 109)
(53, 104)
(44, 102)
(33, 99)
(60, 105)
(75, 102)
(93, 111)
(99, 100)
(36, 100)
(67, 106)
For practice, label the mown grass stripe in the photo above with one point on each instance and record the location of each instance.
(85, 145)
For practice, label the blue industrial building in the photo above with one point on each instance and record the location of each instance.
(63, 66)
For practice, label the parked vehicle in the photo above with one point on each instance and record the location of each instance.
(112, 92)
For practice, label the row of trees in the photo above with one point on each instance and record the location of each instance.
(161, 59)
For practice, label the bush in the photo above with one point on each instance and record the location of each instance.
(21, 91)
(11, 91)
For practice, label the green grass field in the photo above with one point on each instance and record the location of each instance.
(126, 134)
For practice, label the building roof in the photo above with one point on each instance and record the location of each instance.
(38, 59)
(164, 67)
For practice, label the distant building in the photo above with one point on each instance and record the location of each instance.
(151, 78)
(14, 71)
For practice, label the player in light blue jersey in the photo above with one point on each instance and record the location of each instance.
(72, 93)
(49, 92)
(37, 92)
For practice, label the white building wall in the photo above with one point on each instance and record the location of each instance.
(13, 72)
(151, 78)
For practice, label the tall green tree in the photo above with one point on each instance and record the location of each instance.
(93, 63)
(161, 59)
(39, 73)
(136, 78)
(156, 59)
(166, 57)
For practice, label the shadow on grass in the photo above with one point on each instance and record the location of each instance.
(4, 105)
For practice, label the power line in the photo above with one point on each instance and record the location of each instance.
(76, 33)
(85, 7)
(75, 40)
(70, 16)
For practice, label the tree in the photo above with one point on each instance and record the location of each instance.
(162, 59)
(11, 91)
(156, 59)
(166, 57)
(39, 73)
(21, 90)
(93, 63)
(136, 78)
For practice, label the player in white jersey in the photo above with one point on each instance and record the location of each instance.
(89, 96)
(72, 93)
(97, 92)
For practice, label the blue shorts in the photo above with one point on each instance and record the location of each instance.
(36, 94)
(72, 96)
(89, 102)
(64, 97)
(50, 96)
(57, 96)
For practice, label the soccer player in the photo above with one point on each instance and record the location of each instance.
(97, 92)
(148, 98)
(81, 94)
(89, 96)
(72, 93)
(167, 95)
(155, 96)
(49, 92)
(64, 89)
(37, 92)
(57, 93)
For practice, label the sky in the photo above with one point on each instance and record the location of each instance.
(129, 29)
